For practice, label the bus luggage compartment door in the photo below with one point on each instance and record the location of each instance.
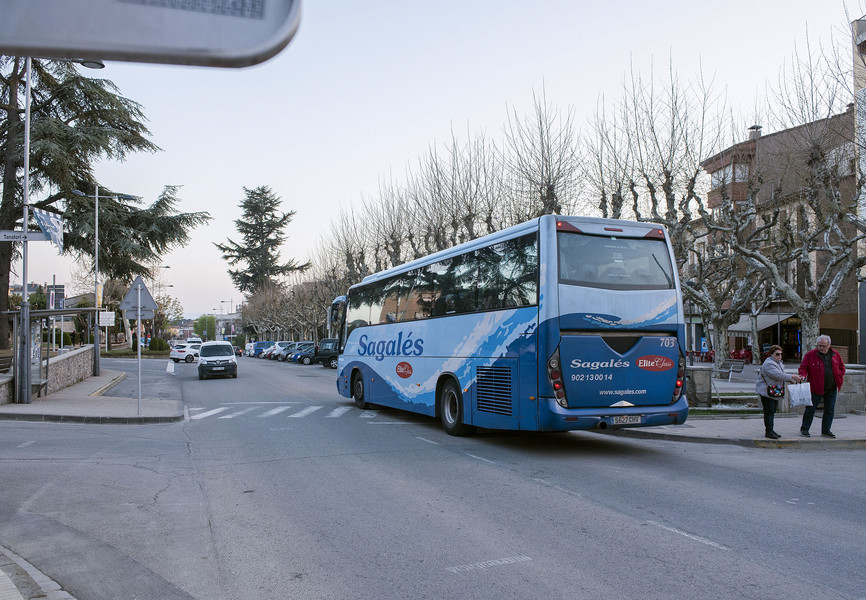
(595, 375)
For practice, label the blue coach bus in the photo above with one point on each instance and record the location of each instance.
(556, 324)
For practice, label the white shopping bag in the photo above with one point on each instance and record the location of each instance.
(800, 394)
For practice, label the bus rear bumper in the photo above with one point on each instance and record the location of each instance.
(567, 419)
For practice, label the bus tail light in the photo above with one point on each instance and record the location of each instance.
(681, 379)
(554, 373)
(655, 234)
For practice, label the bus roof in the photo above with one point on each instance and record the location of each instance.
(492, 238)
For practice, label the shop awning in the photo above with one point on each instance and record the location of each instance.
(765, 320)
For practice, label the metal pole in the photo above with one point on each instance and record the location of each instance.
(53, 319)
(24, 390)
(138, 343)
(690, 336)
(96, 282)
(779, 322)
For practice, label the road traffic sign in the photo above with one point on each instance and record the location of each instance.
(137, 292)
(213, 33)
(20, 236)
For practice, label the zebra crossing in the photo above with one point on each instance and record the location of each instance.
(288, 410)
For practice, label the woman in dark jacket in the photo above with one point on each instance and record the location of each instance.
(772, 374)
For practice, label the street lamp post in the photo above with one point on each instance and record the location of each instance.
(95, 274)
(156, 285)
(24, 390)
(95, 197)
(231, 315)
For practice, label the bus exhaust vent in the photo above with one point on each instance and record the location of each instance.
(494, 389)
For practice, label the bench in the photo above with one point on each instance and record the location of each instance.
(729, 367)
(5, 363)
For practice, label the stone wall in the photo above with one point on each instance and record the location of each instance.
(698, 386)
(63, 371)
(70, 368)
(7, 392)
(852, 396)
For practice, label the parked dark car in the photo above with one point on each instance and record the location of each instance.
(306, 349)
(284, 350)
(327, 352)
(307, 357)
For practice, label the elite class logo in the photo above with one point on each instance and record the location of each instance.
(655, 363)
(404, 370)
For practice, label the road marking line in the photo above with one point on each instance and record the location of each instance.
(557, 487)
(479, 458)
(275, 411)
(235, 414)
(480, 566)
(428, 441)
(370, 414)
(697, 538)
(256, 403)
(339, 412)
(391, 423)
(208, 413)
(303, 413)
(25, 444)
(169, 368)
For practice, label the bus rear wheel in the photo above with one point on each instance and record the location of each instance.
(358, 391)
(451, 410)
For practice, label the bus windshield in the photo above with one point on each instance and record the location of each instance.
(613, 262)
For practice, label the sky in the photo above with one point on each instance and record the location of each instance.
(366, 88)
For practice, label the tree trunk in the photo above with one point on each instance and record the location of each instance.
(811, 329)
(6, 267)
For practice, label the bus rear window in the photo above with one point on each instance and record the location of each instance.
(614, 262)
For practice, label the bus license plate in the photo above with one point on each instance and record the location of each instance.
(627, 420)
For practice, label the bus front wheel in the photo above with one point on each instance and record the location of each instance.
(451, 410)
(358, 391)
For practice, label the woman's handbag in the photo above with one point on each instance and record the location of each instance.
(800, 394)
(776, 391)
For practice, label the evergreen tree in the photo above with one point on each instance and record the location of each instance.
(261, 227)
(74, 122)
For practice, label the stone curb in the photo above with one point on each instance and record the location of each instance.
(108, 386)
(28, 582)
(801, 444)
(92, 420)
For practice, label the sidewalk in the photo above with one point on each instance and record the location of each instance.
(87, 402)
(748, 430)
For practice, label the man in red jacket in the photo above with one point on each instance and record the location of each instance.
(824, 369)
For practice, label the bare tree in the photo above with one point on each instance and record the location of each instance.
(542, 154)
(609, 166)
(801, 227)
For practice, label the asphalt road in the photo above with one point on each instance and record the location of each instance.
(276, 487)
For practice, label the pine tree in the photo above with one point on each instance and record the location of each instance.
(76, 121)
(261, 227)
